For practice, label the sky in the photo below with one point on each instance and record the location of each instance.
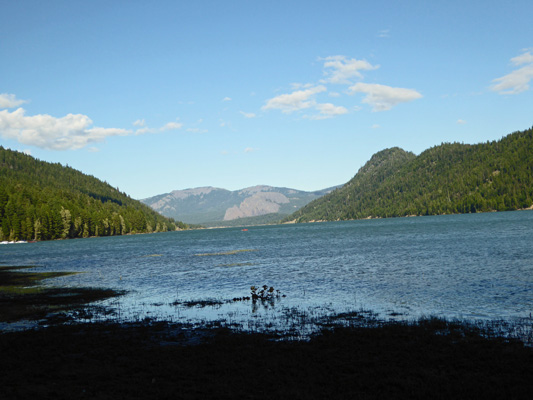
(155, 96)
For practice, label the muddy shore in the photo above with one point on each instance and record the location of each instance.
(159, 360)
(151, 359)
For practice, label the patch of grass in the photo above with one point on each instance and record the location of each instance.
(10, 277)
(22, 298)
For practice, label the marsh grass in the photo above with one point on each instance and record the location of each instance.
(10, 277)
(21, 297)
(199, 303)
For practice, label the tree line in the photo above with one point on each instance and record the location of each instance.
(447, 179)
(46, 201)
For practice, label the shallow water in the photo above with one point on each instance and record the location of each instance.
(456, 266)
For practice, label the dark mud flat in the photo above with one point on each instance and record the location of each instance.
(158, 360)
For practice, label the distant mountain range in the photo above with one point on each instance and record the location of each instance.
(214, 206)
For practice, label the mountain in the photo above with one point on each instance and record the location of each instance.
(446, 179)
(44, 201)
(214, 206)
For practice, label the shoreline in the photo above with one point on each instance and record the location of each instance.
(23, 299)
(150, 359)
(55, 357)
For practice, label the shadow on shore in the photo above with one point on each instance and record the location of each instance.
(163, 360)
(150, 359)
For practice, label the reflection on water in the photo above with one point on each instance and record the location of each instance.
(465, 266)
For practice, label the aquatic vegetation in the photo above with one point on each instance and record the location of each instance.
(225, 253)
(10, 278)
(245, 264)
(21, 297)
(198, 303)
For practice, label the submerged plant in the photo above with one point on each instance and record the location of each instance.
(225, 253)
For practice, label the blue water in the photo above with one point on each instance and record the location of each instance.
(456, 266)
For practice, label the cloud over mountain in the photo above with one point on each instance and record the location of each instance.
(518, 80)
(295, 101)
(71, 132)
(383, 98)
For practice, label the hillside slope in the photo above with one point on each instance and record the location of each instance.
(43, 201)
(446, 179)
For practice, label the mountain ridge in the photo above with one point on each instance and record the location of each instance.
(447, 179)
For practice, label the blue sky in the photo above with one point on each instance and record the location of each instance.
(153, 96)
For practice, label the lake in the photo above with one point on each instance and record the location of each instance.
(472, 266)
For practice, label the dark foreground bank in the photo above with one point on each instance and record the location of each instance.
(158, 360)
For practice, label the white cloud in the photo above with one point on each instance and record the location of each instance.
(249, 150)
(375, 126)
(295, 101)
(341, 69)
(384, 33)
(328, 110)
(526, 58)
(144, 130)
(461, 121)
(297, 86)
(226, 99)
(518, 80)
(171, 126)
(383, 98)
(70, 132)
(196, 130)
(248, 115)
(10, 101)
(515, 82)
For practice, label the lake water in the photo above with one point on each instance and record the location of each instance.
(456, 266)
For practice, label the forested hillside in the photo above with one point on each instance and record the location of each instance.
(44, 201)
(446, 179)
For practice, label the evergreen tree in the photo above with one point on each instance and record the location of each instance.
(445, 179)
(44, 201)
